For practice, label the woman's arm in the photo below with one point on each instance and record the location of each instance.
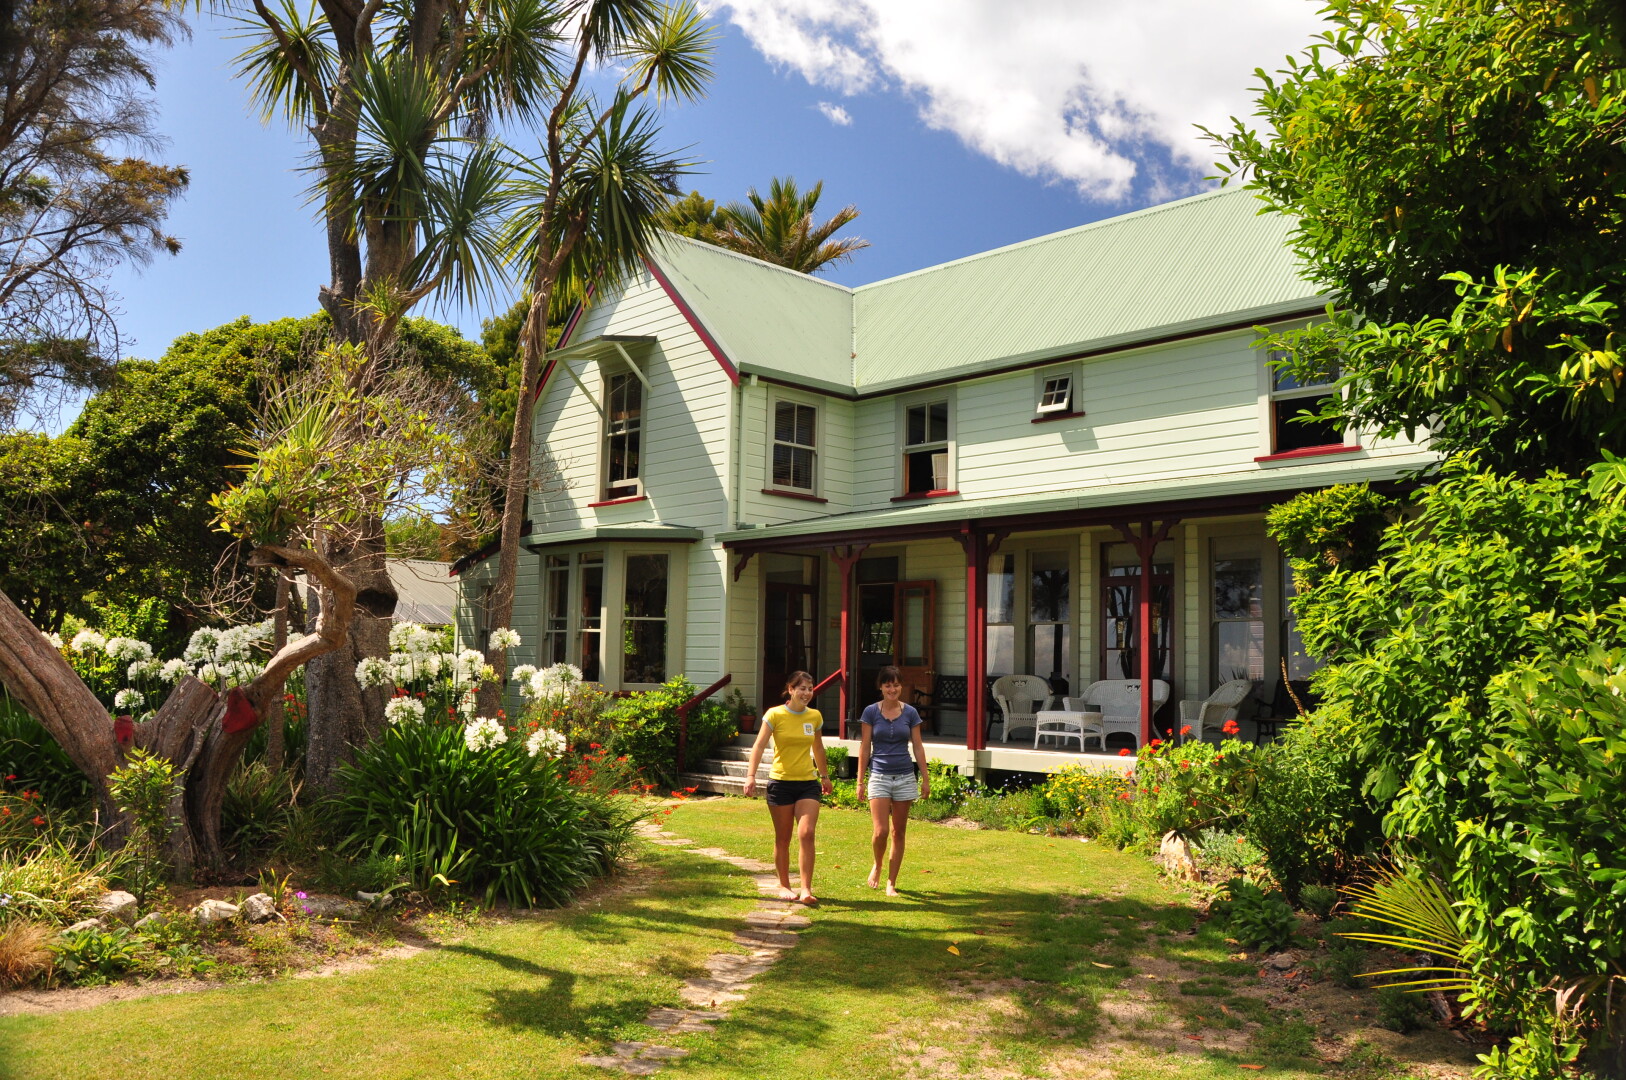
(823, 765)
(863, 756)
(920, 759)
(764, 733)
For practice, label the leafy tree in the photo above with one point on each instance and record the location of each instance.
(694, 216)
(780, 229)
(1457, 182)
(72, 79)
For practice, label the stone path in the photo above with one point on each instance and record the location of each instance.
(768, 932)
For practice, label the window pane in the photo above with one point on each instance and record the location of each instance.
(1051, 651)
(1295, 434)
(915, 425)
(781, 465)
(592, 591)
(1238, 589)
(922, 470)
(589, 659)
(1281, 379)
(646, 587)
(804, 425)
(1057, 391)
(801, 468)
(1002, 650)
(1051, 588)
(644, 643)
(784, 421)
(1002, 590)
(1239, 650)
(914, 628)
(938, 431)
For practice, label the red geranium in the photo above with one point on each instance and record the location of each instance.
(1186, 730)
(1124, 752)
(1231, 727)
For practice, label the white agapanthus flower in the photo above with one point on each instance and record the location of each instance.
(201, 646)
(504, 638)
(129, 699)
(209, 674)
(240, 672)
(402, 668)
(403, 710)
(144, 669)
(545, 741)
(483, 733)
(555, 680)
(55, 640)
(522, 676)
(124, 648)
(374, 671)
(175, 670)
(401, 636)
(87, 641)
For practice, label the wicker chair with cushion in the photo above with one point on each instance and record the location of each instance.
(1019, 698)
(1215, 711)
(1118, 702)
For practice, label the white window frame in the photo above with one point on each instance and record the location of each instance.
(774, 401)
(612, 609)
(1270, 396)
(610, 375)
(1073, 373)
(947, 445)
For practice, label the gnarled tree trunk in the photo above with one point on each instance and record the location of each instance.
(202, 733)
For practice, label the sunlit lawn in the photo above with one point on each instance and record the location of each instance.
(1052, 945)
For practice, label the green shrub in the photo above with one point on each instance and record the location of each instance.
(256, 806)
(143, 788)
(497, 820)
(1225, 852)
(1318, 900)
(95, 956)
(1399, 1010)
(932, 809)
(1257, 919)
(51, 882)
(1343, 965)
(949, 785)
(644, 727)
(844, 795)
(37, 762)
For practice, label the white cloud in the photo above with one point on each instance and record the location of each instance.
(836, 114)
(1081, 91)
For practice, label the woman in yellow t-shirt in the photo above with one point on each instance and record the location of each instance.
(793, 790)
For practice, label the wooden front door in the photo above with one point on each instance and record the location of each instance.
(790, 632)
(897, 626)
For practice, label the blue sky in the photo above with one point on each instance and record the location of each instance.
(959, 125)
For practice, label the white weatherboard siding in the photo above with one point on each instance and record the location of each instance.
(834, 448)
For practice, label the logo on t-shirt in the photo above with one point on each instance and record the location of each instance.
(807, 728)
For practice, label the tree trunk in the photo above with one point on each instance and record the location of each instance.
(276, 716)
(197, 730)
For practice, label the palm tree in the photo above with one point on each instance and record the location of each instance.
(780, 229)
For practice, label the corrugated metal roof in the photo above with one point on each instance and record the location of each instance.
(426, 592)
(767, 319)
(651, 531)
(1181, 267)
(1102, 497)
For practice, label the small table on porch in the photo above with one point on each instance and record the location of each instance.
(1062, 724)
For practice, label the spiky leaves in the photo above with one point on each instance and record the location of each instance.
(780, 228)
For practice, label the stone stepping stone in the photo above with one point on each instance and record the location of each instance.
(635, 1058)
(702, 993)
(766, 939)
(682, 1020)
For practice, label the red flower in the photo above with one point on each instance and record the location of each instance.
(615, 791)
(592, 746)
(5, 810)
(1156, 742)
(691, 790)
(38, 820)
(12, 776)
(1186, 730)
(1155, 790)
(1124, 752)
(1231, 727)
(1185, 764)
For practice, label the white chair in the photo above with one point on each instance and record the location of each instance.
(1215, 710)
(1118, 702)
(1020, 697)
(1063, 725)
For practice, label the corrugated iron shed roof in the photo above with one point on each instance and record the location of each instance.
(1182, 267)
(426, 592)
(767, 319)
(1197, 264)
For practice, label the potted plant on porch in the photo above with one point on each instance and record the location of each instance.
(744, 714)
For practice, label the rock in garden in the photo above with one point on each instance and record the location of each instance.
(214, 911)
(1283, 960)
(151, 921)
(84, 924)
(117, 905)
(1175, 854)
(330, 907)
(259, 908)
(375, 899)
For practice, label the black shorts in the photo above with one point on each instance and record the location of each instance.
(791, 792)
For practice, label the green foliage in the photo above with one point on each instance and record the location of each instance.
(1424, 913)
(1400, 1010)
(50, 881)
(97, 955)
(644, 727)
(1342, 965)
(1334, 528)
(948, 784)
(1453, 172)
(37, 762)
(255, 808)
(780, 228)
(844, 795)
(143, 787)
(1228, 853)
(694, 216)
(1258, 919)
(1318, 900)
(497, 821)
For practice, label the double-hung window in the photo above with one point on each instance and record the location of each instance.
(795, 446)
(623, 435)
(1290, 401)
(643, 619)
(926, 447)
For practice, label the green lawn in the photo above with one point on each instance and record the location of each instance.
(1072, 961)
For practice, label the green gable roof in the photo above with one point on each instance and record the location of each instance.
(1197, 264)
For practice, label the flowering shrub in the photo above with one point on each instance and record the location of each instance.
(557, 697)
(1190, 785)
(644, 727)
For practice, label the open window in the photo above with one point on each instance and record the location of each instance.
(926, 456)
(1291, 400)
(1056, 393)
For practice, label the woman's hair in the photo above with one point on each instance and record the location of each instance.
(794, 679)
(886, 675)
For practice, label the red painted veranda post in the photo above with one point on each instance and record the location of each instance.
(1145, 544)
(845, 559)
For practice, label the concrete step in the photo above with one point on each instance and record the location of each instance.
(714, 783)
(736, 752)
(730, 767)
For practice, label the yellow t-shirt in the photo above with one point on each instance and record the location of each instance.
(793, 735)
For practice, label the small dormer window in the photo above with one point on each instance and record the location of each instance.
(1056, 395)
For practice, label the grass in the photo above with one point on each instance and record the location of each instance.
(1014, 955)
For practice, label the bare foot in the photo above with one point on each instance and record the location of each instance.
(892, 889)
(874, 881)
(787, 893)
(809, 899)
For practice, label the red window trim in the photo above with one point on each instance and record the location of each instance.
(924, 495)
(1310, 451)
(1048, 417)
(617, 502)
(783, 494)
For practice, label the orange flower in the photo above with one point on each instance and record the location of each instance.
(1231, 727)
(38, 820)
(1124, 752)
(5, 810)
(1186, 730)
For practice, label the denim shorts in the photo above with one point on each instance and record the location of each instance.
(899, 787)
